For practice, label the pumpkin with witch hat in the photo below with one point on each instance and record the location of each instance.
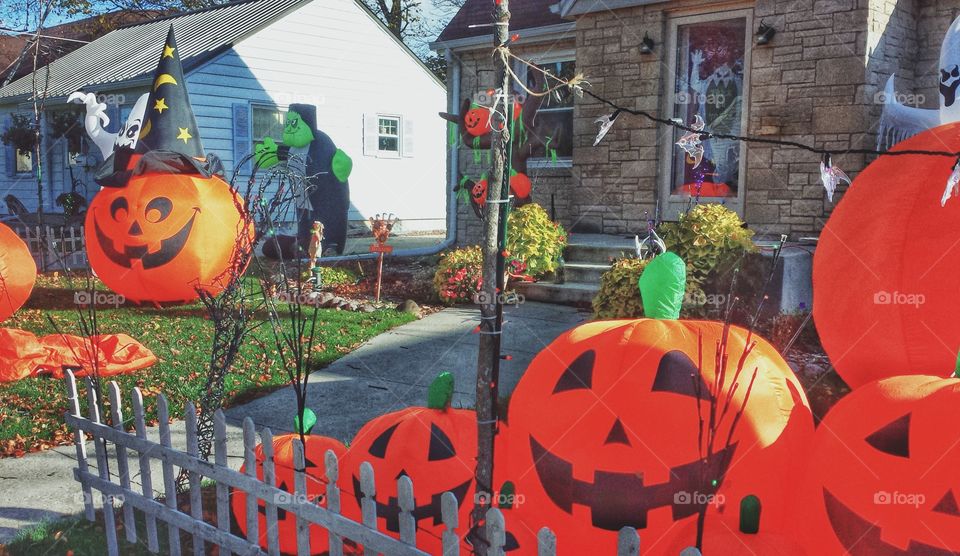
(165, 225)
(609, 427)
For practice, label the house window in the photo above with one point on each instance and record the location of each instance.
(268, 121)
(24, 161)
(709, 84)
(388, 135)
(555, 118)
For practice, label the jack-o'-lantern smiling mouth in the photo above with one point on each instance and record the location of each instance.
(169, 248)
(633, 498)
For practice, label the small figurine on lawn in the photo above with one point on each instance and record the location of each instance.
(316, 250)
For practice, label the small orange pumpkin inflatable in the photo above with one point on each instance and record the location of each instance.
(18, 273)
(164, 235)
(314, 453)
(885, 295)
(605, 432)
(883, 471)
(436, 446)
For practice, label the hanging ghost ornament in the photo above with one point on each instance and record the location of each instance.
(605, 123)
(953, 188)
(899, 121)
(692, 142)
(831, 176)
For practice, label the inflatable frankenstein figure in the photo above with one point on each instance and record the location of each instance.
(327, 168)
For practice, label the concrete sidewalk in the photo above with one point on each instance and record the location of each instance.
(391, 371)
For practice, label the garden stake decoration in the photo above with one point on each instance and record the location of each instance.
(884, 301)
(165, 225)
(381, 225)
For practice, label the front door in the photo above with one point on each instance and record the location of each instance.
(709, 56)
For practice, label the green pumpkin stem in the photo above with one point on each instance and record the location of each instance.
(440, 394)
(750, 515)
(663, 285)
(306, 425)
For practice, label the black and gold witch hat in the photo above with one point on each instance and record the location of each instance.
(169, 139)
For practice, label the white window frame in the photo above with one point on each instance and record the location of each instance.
(673, 204)
(552, 57)
(381, 153)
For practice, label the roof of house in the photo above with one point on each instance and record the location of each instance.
(62, 39)
(131, 52)
(524, 14)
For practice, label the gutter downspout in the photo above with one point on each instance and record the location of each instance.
(453, 171)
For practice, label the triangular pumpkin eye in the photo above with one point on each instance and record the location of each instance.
(579, 375)
(441, 447)
(379, 447)
(893, 438)
(676, 373)
(947, 505)
(617, 435)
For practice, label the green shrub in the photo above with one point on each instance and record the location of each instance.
(336, 276)
(459, 275)
(710, 238)
(534, 239)
(619, 295)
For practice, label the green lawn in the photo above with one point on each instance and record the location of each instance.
(31, 415)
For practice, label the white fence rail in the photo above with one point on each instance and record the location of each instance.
(54, 247)
(306, 511)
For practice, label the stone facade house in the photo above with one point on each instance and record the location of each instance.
(818, 78)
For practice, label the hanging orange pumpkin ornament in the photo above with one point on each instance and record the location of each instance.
(882, 478)
(610, 427)
(165, 225)
(314, 453)
(885, 297)
(436, 446)
(18, 272)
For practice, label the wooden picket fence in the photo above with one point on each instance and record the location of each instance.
(122, 494)
(59, 248)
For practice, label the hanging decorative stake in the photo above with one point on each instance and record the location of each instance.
(692, 141)
(315, 250)
(831, 176)
(953, 184)
(606, 122)
(381, 225)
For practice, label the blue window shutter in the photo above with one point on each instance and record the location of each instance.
(242, 138)
(113, 112)
(9, 152)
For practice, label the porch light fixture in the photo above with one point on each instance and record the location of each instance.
(646, 45)
(765, 33)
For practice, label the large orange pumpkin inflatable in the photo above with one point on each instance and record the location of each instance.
(883, 476)
(164, 235)
(314, 454)
(605, 432)
(885, 294)
(18, 272)
(436, 446)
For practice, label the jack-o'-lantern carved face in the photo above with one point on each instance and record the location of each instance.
(477, 121)
(882, 477)
(314, 454)
(163, 235)
(605, 427)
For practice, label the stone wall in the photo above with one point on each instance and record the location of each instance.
(819, 81)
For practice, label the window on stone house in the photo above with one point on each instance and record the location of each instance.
(555, 118)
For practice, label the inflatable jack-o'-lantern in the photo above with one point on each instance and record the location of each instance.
(885, 295)
(18, 272)
(436, 446)
(314, 455)
(883, 476)
(609, 428)
(164, 235)
(165, 225)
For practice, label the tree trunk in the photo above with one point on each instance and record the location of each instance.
(491, 308)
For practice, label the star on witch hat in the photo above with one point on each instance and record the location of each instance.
(169, 139)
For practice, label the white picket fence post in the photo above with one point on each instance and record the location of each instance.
(306, 511)
(55, 248)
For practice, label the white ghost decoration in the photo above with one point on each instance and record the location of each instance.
(831, 176)
(691, 142)
(953, 184)
(899, 121)
(604, 123)
(96, 118)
